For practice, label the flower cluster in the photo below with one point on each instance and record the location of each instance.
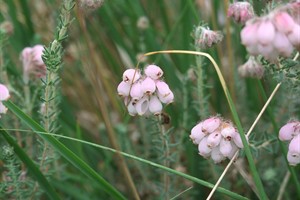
(205, 38)
(240, 11)
(144, 94)
(291, 132)
(4, 95)
(33, 63)
(216, 138)
(271, 36)
(252, 68)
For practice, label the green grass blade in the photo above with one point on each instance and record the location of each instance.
(34, 170)
(153, 164)
(65, 152)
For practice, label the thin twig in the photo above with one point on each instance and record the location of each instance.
(283, 185)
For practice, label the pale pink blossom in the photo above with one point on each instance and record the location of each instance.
(131, 75)
(240, 11)
(214, 139)
(142, 105)
(154, 72)
(155, 105)
(284, 23)
(217, 156)
(4, 93)
(211, 124)
(123, 89)
(225, 147)
(33, 63)
(148, 86)
(136, 92)
(203, 149)
(289, 130)
(197, 134)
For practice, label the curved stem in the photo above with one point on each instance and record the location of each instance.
(250, 159)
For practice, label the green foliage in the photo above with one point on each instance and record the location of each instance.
(87, 53)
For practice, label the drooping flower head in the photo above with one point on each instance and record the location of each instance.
(145, 93)
(272, 35)
(33, 63)
(252, 68)
(240, 11)
(206, 38)
(216, 138)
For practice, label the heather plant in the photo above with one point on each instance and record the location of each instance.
(149, 99)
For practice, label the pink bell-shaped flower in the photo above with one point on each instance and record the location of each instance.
(123, 89)
(136, 92)
(293, 159)
(148, 86)
(211, 124)
(289, 130)
(283, 45)
(225, 147)
(228, 132)
(265, 32)
(214, 139)
(153, 72)
(155, 105)
(131, 75)
(238, 141)
(131, 108)
(217, 156)
(197, 134)
(142, 105)
(294, 146)
(284, 23)
(203, 149)
(4, 93)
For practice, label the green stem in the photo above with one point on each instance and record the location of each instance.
(234, 113)
(153, 164)
(281, 144)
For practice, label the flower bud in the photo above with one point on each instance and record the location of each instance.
(214, 139)
(4, 93)
(123, 89)
(217, 156)
(293, 159)
(265, 32)
(284, 23)
(228, 132)
(294, 146)
(142, 105)
(131, 108)
(205, 38)
(143, 23)
(238, 140)
(225, 147)
(148, 86)
(155, 105)
(249, 34)
(153, 72)
(211, 124)
(203, 149)
(240, 11)
(167, 99)
(289, 130)
(283, 45)
(251, 69)
(197, 134)
(294, 36)
(136, 91)
(233, 151)
(131, 76)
